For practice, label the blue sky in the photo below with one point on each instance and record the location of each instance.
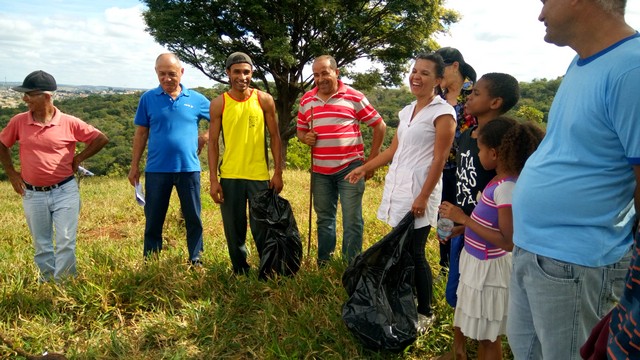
(103, 42)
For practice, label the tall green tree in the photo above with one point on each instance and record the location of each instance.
(283, 36)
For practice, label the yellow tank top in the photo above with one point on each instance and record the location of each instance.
(243, 133)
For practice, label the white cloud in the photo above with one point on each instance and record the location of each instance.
(506, 36)
(80, 45)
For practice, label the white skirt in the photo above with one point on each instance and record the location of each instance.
(483, 295)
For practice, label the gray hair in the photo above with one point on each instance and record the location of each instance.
(332, 61)
(615, 7)
(171, 56)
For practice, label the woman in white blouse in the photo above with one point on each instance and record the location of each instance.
(417, 154)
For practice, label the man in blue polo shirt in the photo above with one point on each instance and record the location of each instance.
(573, 204)
(167, 118)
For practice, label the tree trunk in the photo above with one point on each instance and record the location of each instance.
(285, 145)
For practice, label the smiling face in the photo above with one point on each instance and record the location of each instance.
(169, 71)
(240, 76)
(423, 78)
(325, 77)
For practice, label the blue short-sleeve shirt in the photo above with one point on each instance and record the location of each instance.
(574, 198)
(173, 129)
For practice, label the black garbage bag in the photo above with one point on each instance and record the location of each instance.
(282, 251)
(381, 311)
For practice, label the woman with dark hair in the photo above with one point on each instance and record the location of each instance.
(457, 83)
(414, 182)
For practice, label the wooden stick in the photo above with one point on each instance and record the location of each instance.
(310, 192)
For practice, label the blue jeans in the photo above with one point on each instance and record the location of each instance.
(158, 187)
(58, 210)
(553, 305)
(326, 191)
(451, 290)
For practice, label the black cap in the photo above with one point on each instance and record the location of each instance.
(451, 55)
(37, 80)
(238, 58)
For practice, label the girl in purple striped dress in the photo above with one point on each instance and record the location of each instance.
(485, 262)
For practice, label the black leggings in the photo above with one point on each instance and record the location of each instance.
(449, 188)
(423, 277)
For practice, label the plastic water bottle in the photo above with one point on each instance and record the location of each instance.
(444, 228)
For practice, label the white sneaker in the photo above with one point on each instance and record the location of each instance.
(424, 323)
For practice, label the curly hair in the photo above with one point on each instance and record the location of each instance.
(514, 141)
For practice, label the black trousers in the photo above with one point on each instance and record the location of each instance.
(237, 193)
(423, 277)
(449, 188)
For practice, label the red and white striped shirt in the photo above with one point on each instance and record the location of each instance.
(337, 123)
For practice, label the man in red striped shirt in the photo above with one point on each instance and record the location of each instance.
(329, 119)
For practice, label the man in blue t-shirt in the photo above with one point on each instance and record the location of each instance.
(167, 118)
(573, 205)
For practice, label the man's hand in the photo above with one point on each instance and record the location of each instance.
(310, 138)
(276, 183)
(16, 181)
(134, 175)
(216, 192)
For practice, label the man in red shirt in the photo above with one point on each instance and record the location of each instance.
(48, 160)
(334, 132)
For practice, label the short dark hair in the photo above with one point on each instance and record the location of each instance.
(436, 59)
(503, 86)
(514, 141)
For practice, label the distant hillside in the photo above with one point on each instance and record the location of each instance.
(112, 111)
(77, 88)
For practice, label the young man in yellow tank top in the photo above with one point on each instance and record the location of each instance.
(241, 116)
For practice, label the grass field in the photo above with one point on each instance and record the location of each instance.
(121, 308)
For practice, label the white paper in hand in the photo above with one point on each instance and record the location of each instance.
(139, 194)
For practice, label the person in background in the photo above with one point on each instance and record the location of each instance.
(241, 116)
(624, 339)
(46, 182)
(456, 86)
(573, 204)
(485, 263)
(167, 119)
(329, 119)
(493, 95)
(414, 182)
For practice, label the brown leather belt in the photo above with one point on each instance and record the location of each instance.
(48, 188)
